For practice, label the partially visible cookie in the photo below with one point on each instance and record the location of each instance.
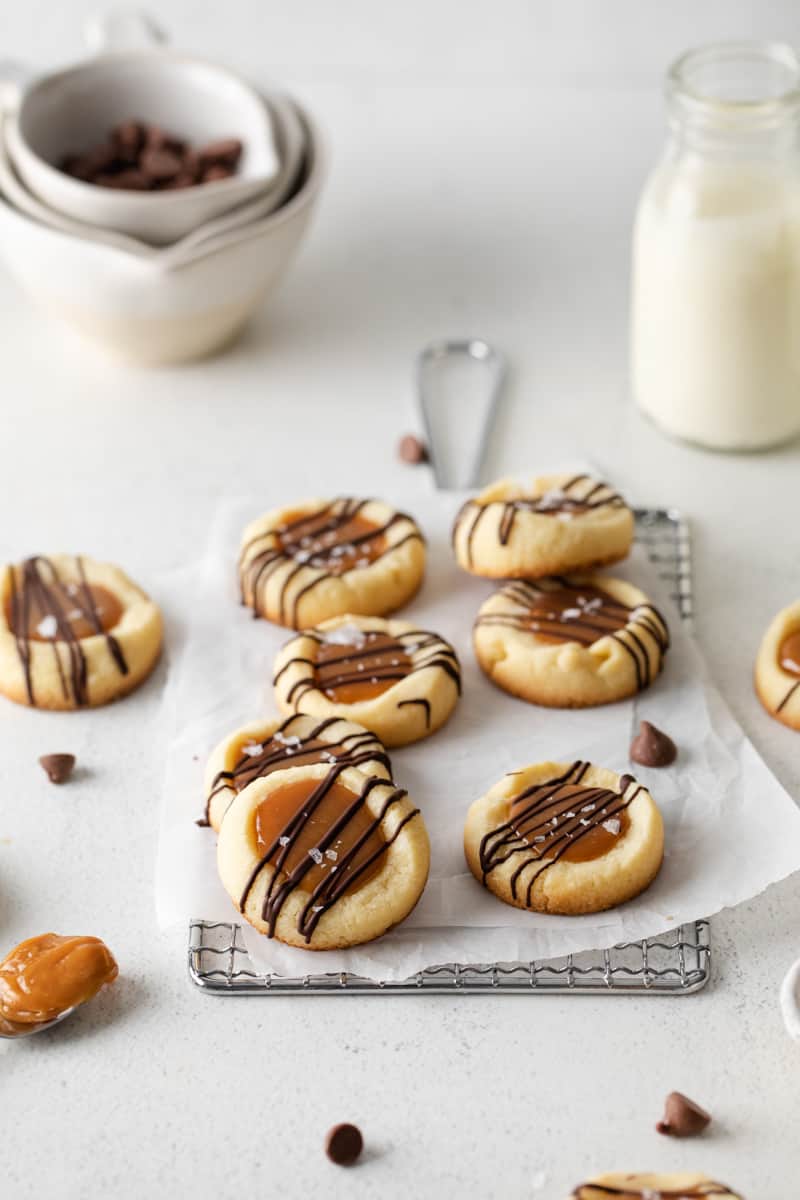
(570, 642)
(323, 857)
(552, 525)
(561, 838)
(399, 681)
(683, 1185)
(777, 673)
(274, 743)
(320, 558)
(73, 632)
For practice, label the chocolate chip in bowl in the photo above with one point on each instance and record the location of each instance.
(163, 305)
(145, 157)
(124, 141)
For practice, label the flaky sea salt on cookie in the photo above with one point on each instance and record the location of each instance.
(681, 1185)
(73, 632)
(276, 743)
(565, 838)
(570, 642)
(554, 524)
(777, 671)
(320, 558)
(400, 681)
(323, 857)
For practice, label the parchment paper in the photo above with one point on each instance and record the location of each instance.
(731, 829)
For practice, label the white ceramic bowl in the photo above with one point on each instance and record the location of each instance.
(73, 110)
(149, 313)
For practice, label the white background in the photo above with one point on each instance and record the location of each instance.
(485, 163)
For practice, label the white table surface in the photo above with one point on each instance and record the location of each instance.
(485, 164)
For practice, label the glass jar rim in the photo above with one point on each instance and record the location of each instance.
(684, 91)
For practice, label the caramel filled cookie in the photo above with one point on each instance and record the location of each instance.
(323, 857)
(777, 673)
(570, 642)
(568, 839)
(680, 1186)
(73, 632)
(555, 524)
(270, 745)
(394, 679)
(321, 558)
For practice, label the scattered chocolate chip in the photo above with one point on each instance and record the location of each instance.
(58, 766)
(344, 1144)
(682, 1117)
(412, 449)
(652, 748)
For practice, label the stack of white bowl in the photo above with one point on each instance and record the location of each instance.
(154, 276)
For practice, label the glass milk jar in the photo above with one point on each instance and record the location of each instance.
(715, 331)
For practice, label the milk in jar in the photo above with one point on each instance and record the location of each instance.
(715, 326)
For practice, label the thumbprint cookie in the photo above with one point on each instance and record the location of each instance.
(777, 674)
(399, 681)
(555, 524)
(321, 558)
(270, 745)
(570, 642)
(681, 1186)
(323, 857)
(569, 839)
(73, 632)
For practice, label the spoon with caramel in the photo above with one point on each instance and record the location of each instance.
(45, 978)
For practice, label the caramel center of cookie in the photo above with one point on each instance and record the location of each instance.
(576, 614)
(46, 975)
(331, 542)
(360, 670)
(336, 833)
(573, 818)
(789, 654)
(64, 612)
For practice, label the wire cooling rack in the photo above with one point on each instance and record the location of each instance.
(676, 963)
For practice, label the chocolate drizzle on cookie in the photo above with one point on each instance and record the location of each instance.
(285, 748)
(789, 662)
(347, 847)
(560, 610)
(579, 495)
(588, 1191)
(556, 819)
(323, 544)
(44, 607)
(370, 658)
